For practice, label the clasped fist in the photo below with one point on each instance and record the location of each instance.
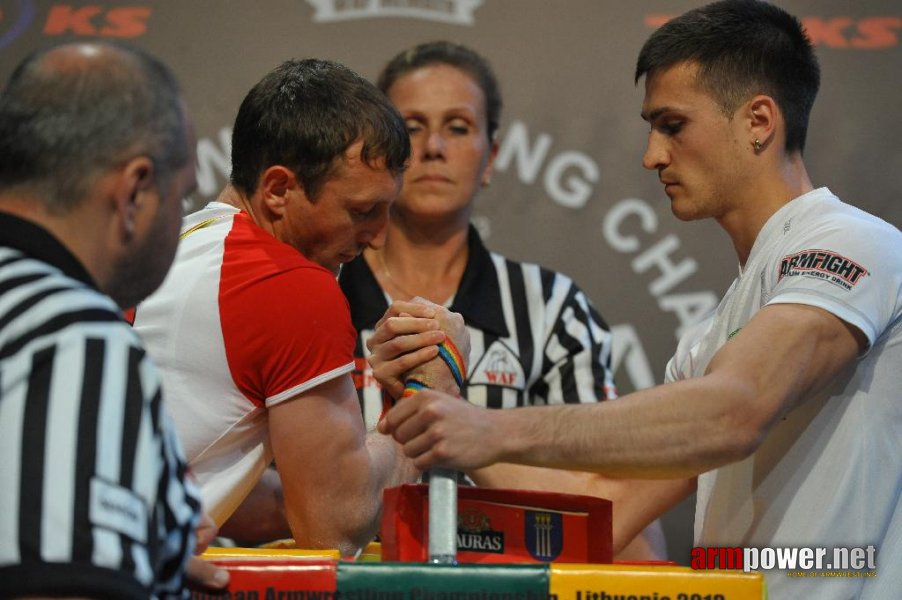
(405, 344)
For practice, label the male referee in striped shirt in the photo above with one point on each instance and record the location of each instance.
(96, 154)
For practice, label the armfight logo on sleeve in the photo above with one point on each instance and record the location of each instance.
(823, 264)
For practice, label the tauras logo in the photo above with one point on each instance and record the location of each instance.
(475, 534)
(459, 12)
(821, 261)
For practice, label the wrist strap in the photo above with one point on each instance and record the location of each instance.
(451, 355)
(412, 386)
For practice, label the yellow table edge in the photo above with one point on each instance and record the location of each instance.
(580, 581)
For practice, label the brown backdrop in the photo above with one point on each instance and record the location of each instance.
(570, 191)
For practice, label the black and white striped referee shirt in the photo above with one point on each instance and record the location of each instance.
(535, 337)
(93, 494)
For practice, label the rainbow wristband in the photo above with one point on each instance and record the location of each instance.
(451, 355)
(412, 386)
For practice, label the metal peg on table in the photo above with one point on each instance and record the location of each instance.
(442, 516)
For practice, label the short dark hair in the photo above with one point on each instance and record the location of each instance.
(62, 122)
(743, 48)
(304, 115)
(455, 55)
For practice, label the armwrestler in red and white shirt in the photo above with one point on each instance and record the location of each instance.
(243, 323)
(255, 344)
(250, 329)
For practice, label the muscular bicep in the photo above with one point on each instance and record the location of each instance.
(318, 440)
(785, 355)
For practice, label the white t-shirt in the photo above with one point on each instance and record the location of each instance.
(829, 474)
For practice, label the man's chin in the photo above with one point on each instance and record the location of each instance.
(336, 265)
(333, 264)
(685, 215)
(682, 212)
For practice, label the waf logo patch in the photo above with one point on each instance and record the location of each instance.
(823, 264)
(499, 366)
(544, 534)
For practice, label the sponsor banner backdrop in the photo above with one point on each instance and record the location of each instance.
(570, 191)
